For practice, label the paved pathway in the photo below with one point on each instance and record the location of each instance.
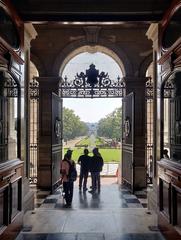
(115, 214)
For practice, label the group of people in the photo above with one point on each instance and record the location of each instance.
(92, 164)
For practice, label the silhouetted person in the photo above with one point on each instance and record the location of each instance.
(96, 165)
(150, 169)
(68, 184)
(84, 161)
(165, 154)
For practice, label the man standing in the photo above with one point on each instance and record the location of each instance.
(84, 161)
(95, 169)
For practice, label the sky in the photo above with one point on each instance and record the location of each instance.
(92, 110)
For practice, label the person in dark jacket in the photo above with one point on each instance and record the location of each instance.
(96, 165)
(84, 161)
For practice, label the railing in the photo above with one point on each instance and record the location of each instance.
(109, 169)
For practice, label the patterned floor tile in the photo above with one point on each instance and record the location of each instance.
(134, 205)
(132, 200)
(56, 201)
(50, 200)
(141, 196)
(129, 196)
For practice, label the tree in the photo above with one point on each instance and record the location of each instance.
(110, 126)
(72, 125)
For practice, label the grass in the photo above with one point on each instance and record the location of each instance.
(85, 141)
(109, 155)
(99, 141)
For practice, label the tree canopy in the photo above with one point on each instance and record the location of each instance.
(110, 126)
(72, 125)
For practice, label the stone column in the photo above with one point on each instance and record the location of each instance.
(28, 196)
(137, 85)
(47, 85)
(152, 34)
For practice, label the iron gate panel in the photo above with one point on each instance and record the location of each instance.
(128, 141)
(34, 126)
(149, 128)
(9, 107)
(92, 84)
(56, 140)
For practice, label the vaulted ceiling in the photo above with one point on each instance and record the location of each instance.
(91, 10)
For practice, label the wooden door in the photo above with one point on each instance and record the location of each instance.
(56, 140)
(128, 141)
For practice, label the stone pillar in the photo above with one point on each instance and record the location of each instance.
(28, 196)
(47, 85)
(137, 85)
(152, 34)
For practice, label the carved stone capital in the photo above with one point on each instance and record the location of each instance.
(152, 34)
(30, 33)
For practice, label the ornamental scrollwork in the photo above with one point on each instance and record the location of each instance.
(127, 127)
(57, 127)
(34, 89)
(168, 88)
(149, 88)
(10, 88)
(92, 84)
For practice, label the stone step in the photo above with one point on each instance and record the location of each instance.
(89, 236)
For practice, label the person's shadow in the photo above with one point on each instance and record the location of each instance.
(95, 201)
(83, 200)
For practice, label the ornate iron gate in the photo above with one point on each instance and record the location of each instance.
(149, 128)
(9, 117)
(170, 106)
(34, 123)
(92, 84)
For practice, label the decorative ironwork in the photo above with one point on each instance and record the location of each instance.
(127, 127)
(92, 85)
(34, 88)
(34, 122)
(168, 88)
(149, 128)
(149, 88)
(10, 88)
(57, 127)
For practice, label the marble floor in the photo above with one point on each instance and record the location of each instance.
(114, 214)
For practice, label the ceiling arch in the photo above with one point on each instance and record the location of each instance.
(103, 46)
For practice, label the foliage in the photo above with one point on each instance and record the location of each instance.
(72, 125)
(110, 126)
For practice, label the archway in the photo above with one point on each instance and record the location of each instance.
(105, 61)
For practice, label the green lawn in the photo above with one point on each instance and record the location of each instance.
(84, 141)
(99, 141)
(109, 155)
(87, 141)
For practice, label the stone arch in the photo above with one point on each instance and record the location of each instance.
(144, 65)
(103, 45)
(38, 64)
